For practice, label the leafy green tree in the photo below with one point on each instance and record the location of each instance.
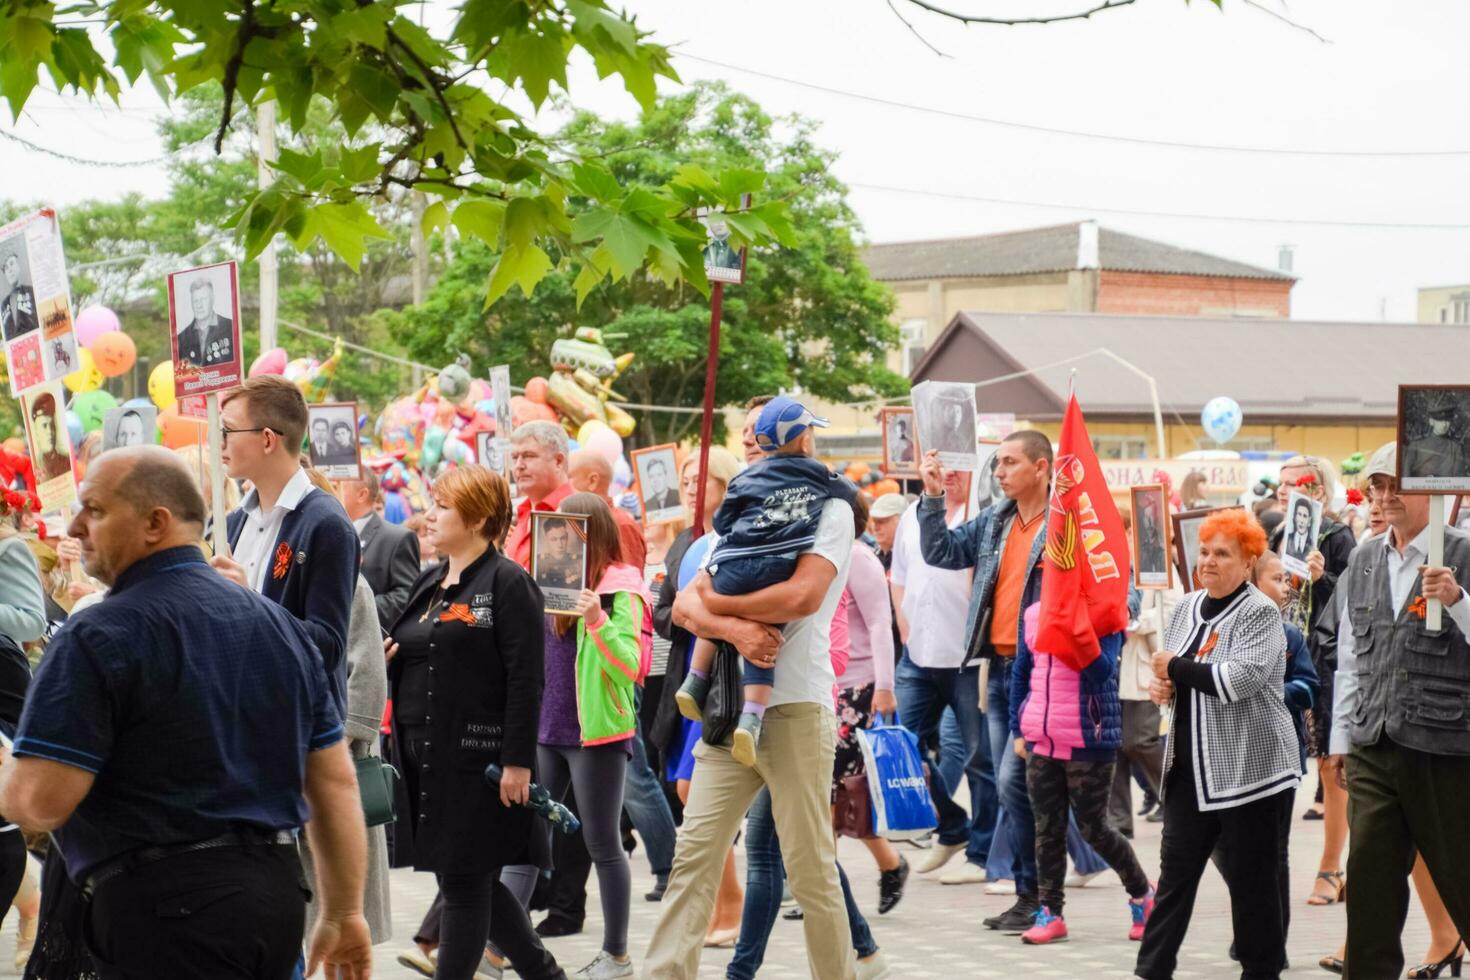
(419, 114)
(807, 316)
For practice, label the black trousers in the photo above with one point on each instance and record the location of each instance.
(477, 907)
(12, 868)
(1249, 840)
(1142, 749)
(1401, 801)
(1057, 787)
(232, 913)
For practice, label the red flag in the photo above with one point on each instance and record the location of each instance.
(1084, 576)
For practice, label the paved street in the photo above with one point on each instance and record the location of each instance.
(936, 931)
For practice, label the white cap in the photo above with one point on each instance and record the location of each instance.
(888, 505)
(1384, 462)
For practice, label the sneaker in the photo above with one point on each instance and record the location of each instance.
(874, 967)
(793, 914)
(691, 696)
(660, 885)
(965, 874)
(606, 967)
(418, 961)
(1156, 817)
(747, 734)
(1016, 919)
(939, 856)
(1078, 879)
(488, 970)
(1002, 887)
(1141, 908)
(1047, 928)
(890, 886)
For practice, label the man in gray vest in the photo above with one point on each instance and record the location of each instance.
(1401, 723)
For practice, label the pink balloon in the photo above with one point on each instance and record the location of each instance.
(93, 322)
(607, 444)
(272, 361)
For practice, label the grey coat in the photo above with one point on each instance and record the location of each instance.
(367, 693)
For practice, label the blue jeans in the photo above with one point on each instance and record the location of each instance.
(764, 873)
(1010, 780)
(923, 693)
(645, 802)
(952, 754)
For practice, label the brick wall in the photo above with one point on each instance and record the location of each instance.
(1174, 295)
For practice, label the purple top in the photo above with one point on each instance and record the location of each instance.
(559, 722)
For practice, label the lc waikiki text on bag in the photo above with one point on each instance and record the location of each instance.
(902, 807)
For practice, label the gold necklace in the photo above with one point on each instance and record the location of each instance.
(433, 607)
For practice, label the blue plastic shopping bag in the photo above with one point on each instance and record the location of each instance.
(902, 807)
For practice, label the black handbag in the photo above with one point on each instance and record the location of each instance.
(726, 695)
(376, 783)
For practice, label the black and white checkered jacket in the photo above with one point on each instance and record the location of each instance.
(1242, 743)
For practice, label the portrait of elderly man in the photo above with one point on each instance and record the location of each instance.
(208, 338)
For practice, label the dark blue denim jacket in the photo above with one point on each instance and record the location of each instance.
(774, 507)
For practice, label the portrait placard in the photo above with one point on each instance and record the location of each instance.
(500, 391)
(35, 302)
(1186, 542)
(1151, 566)
(656, 481)
(1299, 533)
(559, 558)
(1434, 439)
(49, 444)
(129, 425)
(722, 261)
(945, 414)
(204, 319)
(901, 452)
(331, 440)
(492, 452)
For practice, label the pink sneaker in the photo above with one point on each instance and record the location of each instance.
(1141, 908)
(1048, 929)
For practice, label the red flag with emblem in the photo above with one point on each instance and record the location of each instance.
(1084, 576)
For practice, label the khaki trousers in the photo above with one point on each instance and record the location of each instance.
(795, 761)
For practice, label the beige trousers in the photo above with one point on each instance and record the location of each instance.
(795, 760)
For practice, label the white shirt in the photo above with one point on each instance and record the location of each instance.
(935, 600)
(804, 663)
(256, 547)
(361, 523)
(1403, 572)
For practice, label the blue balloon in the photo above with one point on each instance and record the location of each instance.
(572, 445)
(1221, 419)
(137, 403)
(74, 428)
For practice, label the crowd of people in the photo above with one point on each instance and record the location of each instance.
(191, 760)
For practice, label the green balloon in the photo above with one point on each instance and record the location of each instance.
(91, 407)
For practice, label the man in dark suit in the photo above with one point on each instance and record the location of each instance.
(209, 339)
(658, 494)
(390, 553)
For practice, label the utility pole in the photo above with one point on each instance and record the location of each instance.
(265, 128)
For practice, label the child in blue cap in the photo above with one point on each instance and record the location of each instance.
(768, 518)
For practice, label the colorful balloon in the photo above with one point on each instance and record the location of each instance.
(272, 361)
(74, 428)
(178, 431)
(92, 406)
(1221, 419)
(93, 322)
(454, 380)
(590, 427)
(433, 447)
(536, 390)
(86, 377)
(161, 385)
(605, 443)
(114, 353)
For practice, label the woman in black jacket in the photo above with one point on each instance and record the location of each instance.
(465, 665)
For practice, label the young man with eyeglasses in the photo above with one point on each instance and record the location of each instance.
(288, 541)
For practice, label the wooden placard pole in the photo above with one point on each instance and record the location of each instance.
(220, 542)
(1434, 609)
(707, 423)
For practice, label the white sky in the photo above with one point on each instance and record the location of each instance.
(1392, 79)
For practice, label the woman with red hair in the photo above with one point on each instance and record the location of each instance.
(1231, 766)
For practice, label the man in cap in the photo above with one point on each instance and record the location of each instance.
(46, 440)
(1400, 737)
(174, 740)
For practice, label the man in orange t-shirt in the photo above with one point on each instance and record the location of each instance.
(1003, 546)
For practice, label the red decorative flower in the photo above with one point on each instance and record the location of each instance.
(283, 561)
(41, 529)
(1306, 480)
(1355, 496)
(35, 502)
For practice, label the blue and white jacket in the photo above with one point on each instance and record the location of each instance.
(774, 506)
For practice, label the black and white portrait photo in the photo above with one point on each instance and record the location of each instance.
(657, 471)
(130, 425)
(1150, 537)
(49, 445)
(204, 309)
(1434, 438)
(331, 440)
(1303, 524)
(945, 413)
(19, 314)
(491, 451)
(559, 558)
(900, 443)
